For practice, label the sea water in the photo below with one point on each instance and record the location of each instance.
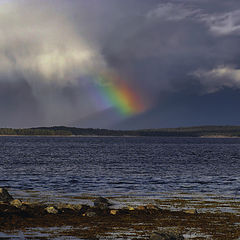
(115, 166)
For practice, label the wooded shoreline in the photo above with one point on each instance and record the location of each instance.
(199, 131)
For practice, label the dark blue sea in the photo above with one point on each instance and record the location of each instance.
(115, 166)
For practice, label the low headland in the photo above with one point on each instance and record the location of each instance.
(199, 131)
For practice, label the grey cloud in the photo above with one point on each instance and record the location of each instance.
(169, 51)
(223, 24)
(156, 45)
(220, 22)
(17, 102)
(40, 45)
(172, 12)
(222, 76)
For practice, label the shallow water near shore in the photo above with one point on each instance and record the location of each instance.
(172, 173)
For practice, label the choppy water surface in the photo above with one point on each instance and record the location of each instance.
(142, 166)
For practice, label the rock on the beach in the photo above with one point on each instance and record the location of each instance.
(51, 210)
(101, 203)
(90, 214)
(77, 207)
(4, 195)
(131, 208)
(166, 236)
(74, 207)
(191, 211)
(16, 203)
(141, 208)
(152, 207)
(113, 212)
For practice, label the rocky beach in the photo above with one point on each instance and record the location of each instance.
(102, 220)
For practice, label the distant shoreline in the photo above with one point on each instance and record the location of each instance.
(67, 136)
(218, 136)
(110, 136)
(62, 131)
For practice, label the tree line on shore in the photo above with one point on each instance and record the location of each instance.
(230, 131)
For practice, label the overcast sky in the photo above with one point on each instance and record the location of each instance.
(181, 58)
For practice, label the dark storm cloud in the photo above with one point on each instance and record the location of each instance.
(162, 47)
(17, 101)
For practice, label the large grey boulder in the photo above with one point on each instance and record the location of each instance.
(5, 196)
(101, 203)
(166, 236)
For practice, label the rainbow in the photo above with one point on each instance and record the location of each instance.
(110, 90)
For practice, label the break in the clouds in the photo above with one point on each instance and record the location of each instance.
(101, 63)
